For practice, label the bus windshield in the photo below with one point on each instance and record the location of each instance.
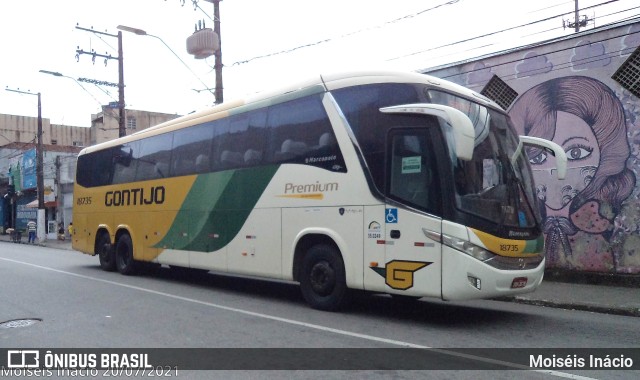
(489, 186)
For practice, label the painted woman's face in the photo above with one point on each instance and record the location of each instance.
(576, 137)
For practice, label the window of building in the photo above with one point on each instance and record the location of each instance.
(54, 142)
(131, 122)
(500, 92)
(628, 75)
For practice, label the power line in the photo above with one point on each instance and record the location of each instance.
(542, 32)
(499, 31)
(347, 34)
(552, 6)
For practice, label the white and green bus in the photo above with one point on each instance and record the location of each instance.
(387, 182)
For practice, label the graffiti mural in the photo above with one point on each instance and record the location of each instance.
(567, 93)
(582, 213)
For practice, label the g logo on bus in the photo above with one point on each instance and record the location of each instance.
(399, 274)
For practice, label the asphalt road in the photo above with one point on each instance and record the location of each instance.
(76, 304)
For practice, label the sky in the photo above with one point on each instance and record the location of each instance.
(264, 44)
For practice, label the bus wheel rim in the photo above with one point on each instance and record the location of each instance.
(322, 278)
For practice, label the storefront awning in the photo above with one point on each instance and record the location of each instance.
(34, 204)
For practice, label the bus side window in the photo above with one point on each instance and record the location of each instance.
(191, 149)
(154, 157)
(252, 157)
(202, 164)
(230, 159)
(125, 162)
(290, 150)
(241, 145)
(300, 132)
(96, 169)
(412, 171)
(255, 138)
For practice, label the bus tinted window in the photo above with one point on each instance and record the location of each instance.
(413, 171)
(297, 131)
(155, 157)
(125, 162)
(243, 143)
(361, 105)
(300, 132)
(95, 169)
(192, 149)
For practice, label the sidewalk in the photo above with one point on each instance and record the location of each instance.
(600, 293)
(587, 292)
(59, 244)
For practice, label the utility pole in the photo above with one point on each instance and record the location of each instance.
(577, 23)
(122, 131)
(39, 169)
(203, 48)
(218, 53)
(577, 17)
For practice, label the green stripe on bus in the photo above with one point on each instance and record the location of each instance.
(216, 208)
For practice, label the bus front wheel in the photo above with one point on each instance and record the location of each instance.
(322, 280)
(124, 255)
(105, 252)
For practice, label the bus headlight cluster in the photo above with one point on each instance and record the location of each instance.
(467, 247)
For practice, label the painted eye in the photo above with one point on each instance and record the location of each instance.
(539, 159)
(579, 152)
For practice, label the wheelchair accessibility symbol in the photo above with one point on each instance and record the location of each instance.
(392, 215)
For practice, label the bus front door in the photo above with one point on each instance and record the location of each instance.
(413, 257)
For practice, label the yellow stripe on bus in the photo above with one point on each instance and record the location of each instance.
(317, 196)
(508, 247)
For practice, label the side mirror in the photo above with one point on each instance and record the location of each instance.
(549, 146)
(459, 124)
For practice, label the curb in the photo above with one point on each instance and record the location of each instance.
(623, 311)
(593, 278)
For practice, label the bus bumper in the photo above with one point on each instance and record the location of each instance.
(468, 278)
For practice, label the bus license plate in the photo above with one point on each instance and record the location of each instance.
(519, 282)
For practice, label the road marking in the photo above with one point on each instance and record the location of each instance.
(308, 325)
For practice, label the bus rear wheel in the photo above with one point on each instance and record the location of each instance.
(124, 256)
(105, 253)
(322, 280)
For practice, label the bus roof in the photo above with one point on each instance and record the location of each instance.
(314, 84)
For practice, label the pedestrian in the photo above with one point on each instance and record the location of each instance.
(70, 229)
(32, 227)
(61, 231)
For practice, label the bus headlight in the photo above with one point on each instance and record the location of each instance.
(467, 247)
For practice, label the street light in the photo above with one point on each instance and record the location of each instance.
(57, 74)
(39, 167)
(141, 32)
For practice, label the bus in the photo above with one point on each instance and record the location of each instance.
(384, 182)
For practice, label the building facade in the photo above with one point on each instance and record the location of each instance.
(18, 185)
(24, 129)
(105, 126)
(582, 92)
(61, 145)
